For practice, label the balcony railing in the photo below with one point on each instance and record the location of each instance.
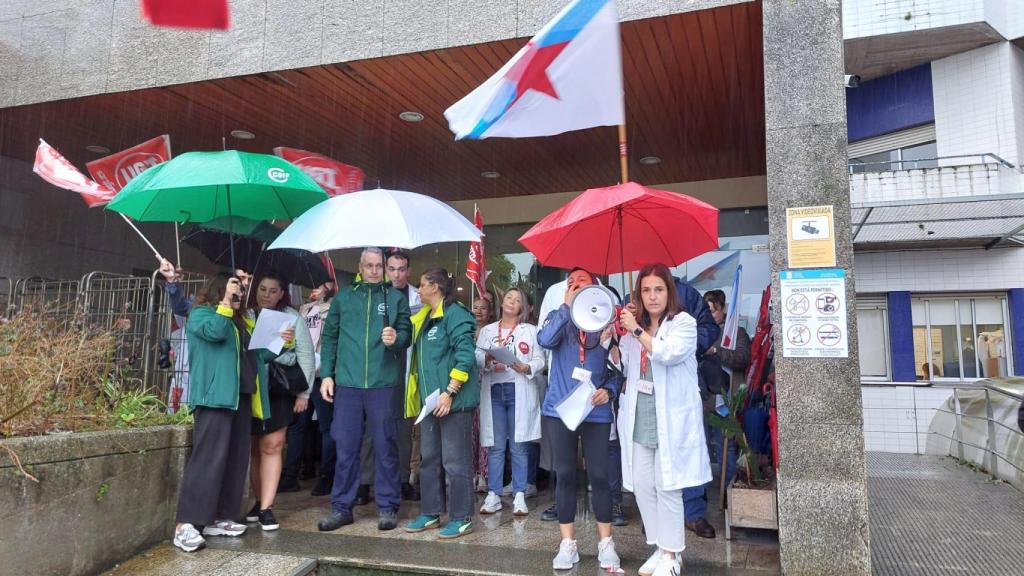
(927, 178)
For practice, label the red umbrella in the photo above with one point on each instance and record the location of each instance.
(621, 228)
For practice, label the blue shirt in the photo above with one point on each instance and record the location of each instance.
(561, 336)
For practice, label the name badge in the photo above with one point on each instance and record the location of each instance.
(644, 386)
(581, 374)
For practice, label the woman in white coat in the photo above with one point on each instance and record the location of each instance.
(661, 424)
(510, 397)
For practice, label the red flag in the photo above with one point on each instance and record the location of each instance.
(476, 269)
(56, 170)
(333, 176)
(205, 14)
(329, 265)
(116, 170)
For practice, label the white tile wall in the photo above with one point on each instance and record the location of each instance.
(974, 102)
(949, 270)
(875, 17)
(896, 418)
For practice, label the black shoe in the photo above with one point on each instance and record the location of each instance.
(267, 520)
(701, 528)
(288, 485)
(551, 514)
(387, 521)
(363, 495)
(410, 492)
(618, 516)
(323, 486)
(307, 474)
(253, 515)
(334, 521)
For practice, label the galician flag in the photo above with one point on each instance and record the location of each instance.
(567, 77)
(732, 316)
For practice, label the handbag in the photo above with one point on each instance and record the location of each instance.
(287, 379)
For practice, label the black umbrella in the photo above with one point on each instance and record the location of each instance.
(250, 254)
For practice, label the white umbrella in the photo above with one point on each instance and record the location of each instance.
(377, 218)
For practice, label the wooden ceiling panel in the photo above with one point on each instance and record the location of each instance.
(694, 98)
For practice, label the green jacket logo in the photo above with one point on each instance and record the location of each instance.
(432, 333)
(380, 309)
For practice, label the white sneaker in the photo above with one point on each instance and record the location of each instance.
(648, 568)
(491, 504)
(507, 490)
(519, 505)
(567, 556)
(224, 528)
(188, 538)
(668, 566)
(606, 554)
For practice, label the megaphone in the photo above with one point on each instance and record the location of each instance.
(593, 308)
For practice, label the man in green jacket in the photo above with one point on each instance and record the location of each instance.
(362, 352)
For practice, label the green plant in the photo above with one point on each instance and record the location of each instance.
(733, 430)
(101, 492)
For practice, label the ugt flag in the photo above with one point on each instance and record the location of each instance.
(567, 77)
(476, 270)
(116, 170)
(51, 166)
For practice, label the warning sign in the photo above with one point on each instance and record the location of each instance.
(810, 238)
(814, 313)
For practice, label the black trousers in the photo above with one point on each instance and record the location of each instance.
(564, 444)
(214, 480)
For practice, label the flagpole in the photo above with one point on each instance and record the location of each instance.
(623, 157)
(141, 235)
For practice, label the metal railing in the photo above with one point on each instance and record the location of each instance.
(926, 163)
(980, 431)
(6, 296)
(120, 304)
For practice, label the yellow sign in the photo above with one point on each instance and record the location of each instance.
(810, 237)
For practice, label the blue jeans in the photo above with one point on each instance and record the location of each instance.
(695, 503)
(352, 408)
(503, 412)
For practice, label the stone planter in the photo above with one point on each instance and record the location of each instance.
(751, 508)
(101, 497)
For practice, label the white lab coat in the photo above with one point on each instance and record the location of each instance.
(682, 450)
(529, 392)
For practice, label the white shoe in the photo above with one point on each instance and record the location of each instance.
(668, 566)
(491, 504)
(568, 555)
(519, 505)
(648, 568)
(606, 554)
(224, 528)
(507, 490)
(188, 538)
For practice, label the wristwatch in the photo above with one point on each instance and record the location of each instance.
(638, 331)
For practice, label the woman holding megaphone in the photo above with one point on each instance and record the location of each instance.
(661, 425)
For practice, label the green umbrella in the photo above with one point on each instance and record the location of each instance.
(200, 187)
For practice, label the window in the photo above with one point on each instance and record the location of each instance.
(906, 158)
(873, 339)
(960, 338)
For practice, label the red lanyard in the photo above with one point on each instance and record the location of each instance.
(583, 340)
(503, 342)
(644, 360)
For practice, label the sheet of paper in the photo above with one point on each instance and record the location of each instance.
(267, 333)
(429, 405)
(502, 354)
(574, 408)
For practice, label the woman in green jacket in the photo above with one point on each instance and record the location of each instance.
(211, 489)
(444, 361)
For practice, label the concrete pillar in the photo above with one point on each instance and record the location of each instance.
(822, 491)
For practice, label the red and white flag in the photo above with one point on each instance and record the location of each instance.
(116, 170)
(476, 268)
(334, 177)
(202, 14)
(56, 170)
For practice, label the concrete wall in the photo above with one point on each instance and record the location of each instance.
(940, 270)
(88, 483)
(60, 49)
(862, 18)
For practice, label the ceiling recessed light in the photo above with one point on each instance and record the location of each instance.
(98, 149)
(650, 160)
(490, 174)
(242, 134)
(410, 116)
